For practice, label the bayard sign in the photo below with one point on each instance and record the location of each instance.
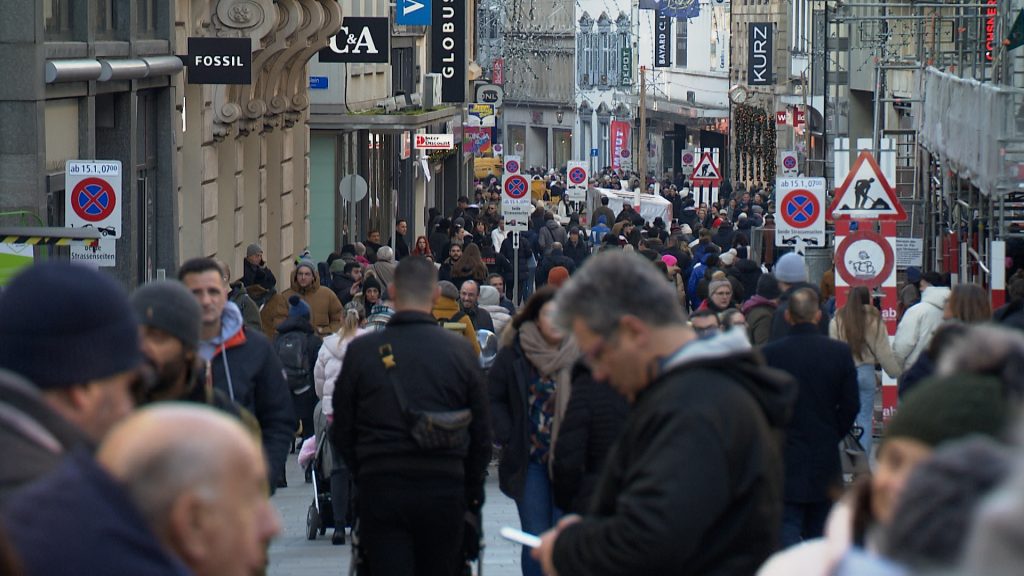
(759, 54)
(662, 40)
(448, 48)
(361, 40)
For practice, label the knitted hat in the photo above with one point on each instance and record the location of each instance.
(728, 258)
(791, 268)
(933, 278)
(558, 276)
(768, 287)
(169, 306)
(489, 296)
(297, 308)
(913, 274)
(306, 264)
(371, 282)
(942, 409)
(65, 324)
(252, 250)
(669, 260)
(716, 284)
(338, 266)
(685, 229)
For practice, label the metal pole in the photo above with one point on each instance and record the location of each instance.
(642, 148)
(515, 268)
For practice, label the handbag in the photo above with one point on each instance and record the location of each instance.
(853, 458)
(431, 430)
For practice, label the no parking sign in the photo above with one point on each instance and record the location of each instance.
(577, 178)
(93, 196)
(801, 215)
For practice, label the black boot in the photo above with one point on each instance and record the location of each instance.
(338, 537)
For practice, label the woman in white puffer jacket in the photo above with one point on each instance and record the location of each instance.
(325, 373)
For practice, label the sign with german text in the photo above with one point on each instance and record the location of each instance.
(448, 48)
(759, 54)
(662, 40)
(219, 61)
(360, 40)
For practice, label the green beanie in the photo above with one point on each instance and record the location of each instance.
(951, 407)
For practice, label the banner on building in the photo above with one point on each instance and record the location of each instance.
(479, 130)
(361, 40)
(662, 40)
(448, 48)
(619, 138)
(759, 54)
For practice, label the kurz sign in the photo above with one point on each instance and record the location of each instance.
(759, 54)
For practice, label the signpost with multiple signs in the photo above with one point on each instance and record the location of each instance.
(93, 200)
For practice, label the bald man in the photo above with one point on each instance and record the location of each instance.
(175, 489)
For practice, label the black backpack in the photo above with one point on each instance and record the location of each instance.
(293, 350)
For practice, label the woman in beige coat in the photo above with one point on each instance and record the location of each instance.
(860, 325)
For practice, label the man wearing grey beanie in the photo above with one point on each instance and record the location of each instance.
(791, 272)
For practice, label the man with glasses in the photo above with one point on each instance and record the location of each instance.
(70, 367)
(693, 484)
(705, 323)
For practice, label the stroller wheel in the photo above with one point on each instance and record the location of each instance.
(312, 522)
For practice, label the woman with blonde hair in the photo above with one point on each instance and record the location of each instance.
(325, 374)
(969, 304)
(860, 325)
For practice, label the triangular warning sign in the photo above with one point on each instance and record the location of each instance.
(866, 194)
(705, 172)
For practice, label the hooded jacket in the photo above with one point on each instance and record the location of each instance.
(490, 301)
(250, 310)
(759, 312)
(244, 366)
(329, 361)
(747, 272)
(448, 310)
(325, 309)
(914, 332)
(551, 232)
(33, 438)
(655, 510)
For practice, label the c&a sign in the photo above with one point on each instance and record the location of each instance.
(361, 40)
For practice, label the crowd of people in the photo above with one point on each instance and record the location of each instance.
(661, 400)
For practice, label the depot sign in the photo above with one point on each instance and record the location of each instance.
(448, 47)
(219, 61)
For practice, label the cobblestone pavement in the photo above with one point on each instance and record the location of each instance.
(293, 555)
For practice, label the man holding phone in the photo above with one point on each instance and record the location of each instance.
(693, 486)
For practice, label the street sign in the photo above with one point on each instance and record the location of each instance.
(576, 181)
(517, 217)
(866, 194)
(318, 83)
(516, 187)
(512, 165)
(434, 141)
(353, 188)
(706, 173)
(865, 258)
(688, 160)
(594, 153)
(790, 163)
(93, 197)
(801, 217)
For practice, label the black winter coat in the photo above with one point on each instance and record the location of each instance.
(439, 372)
(507, 388)
(313, 343)
(553, 259)
(254, 379)
(576, 252)
(593, 420)
(342, 286)
(826, 406)
(693, 485)
(748, 273)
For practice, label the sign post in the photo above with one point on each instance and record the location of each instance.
(706, 175)
(93, 200)
(801, 214)
(577, 179)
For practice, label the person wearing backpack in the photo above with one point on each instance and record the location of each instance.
(297, 346)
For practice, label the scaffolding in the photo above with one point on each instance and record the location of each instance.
(883, 62)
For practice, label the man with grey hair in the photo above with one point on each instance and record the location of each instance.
(175, 489)
(413, 493)
(693, 484)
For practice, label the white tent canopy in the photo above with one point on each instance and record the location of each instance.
(651, 205)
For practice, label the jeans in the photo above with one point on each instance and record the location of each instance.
(866, 386)
(537, 510)
(803, 521)
(411, 527)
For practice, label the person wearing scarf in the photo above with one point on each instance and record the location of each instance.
(529, 386)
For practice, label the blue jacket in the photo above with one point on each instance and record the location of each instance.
(78, 520)
(826, 405)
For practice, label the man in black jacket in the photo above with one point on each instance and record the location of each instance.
(242, 362)
(693, 484)
(576, 247)
(826, 405)
(552, 259)
(411, 499)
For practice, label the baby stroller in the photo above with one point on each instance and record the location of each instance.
(320, 514)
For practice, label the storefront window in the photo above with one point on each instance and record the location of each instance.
(57, 20)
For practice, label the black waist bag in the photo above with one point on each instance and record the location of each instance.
(432, 430)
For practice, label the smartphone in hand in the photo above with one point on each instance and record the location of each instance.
(520, 537)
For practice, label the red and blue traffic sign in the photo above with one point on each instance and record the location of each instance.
(577, 175)
(516, 186)
(789, 162)
(512, 167)
(93, 199)
(800, 208)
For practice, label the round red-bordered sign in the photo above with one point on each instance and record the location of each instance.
(512, 167)
(855, 269)
(577, 175)
(789, 162)
(800, 208)
(93, 199)
(688, 158)
(516, 186)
